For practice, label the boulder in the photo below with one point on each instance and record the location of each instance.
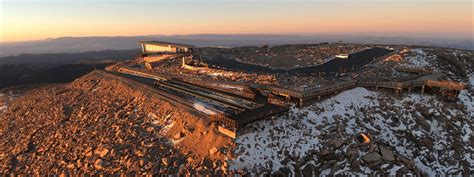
(166, 161)
(409, 163)
(423, 123)
(223, 169)
(177, 162)
(100, 164)
(373, 148)
(328, 164)
(150, 129)
(71, 166)
(207, 163)
(387, 154)
(351, 151)
(284, 171)
(325, 152)
(375, 166)
(88, 152)
(213, 150)
(189, 159)
(177, 136)
(355, 165)
(428, 143)
(372, 157)
(337, 143)
(424, 111)
(103, 152)
(334, 168)
(78, 163)
(225, 164)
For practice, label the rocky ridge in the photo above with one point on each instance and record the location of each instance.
(101, 125)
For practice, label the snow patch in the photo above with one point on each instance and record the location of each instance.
(229, 86)
(420, 58)
(203, 109)
(471, 80)
(396, 122)
(300, 135)
(467, 99)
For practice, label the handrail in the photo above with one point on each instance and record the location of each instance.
(446, 84)
(320, 91)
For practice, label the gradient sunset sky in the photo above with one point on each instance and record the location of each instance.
(23, 20)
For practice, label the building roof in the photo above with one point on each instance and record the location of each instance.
(161, 43)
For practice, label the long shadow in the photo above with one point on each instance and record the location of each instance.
(355, 62)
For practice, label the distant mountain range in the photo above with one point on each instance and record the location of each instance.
(57, 59)
(83, 44)
(56, 68)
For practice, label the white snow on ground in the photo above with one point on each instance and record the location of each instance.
(420, 58)
(230, 87)
(467, 98)
(389, 120)
(219, 74)
(5, 98)
(203, 109)
(303, 133)
(471, 80)
(3, 106)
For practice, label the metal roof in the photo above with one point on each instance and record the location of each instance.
(161, 43)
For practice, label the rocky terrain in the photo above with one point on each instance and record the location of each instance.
(413, 134)
(410, 133)
(100, 124)
(103, 124)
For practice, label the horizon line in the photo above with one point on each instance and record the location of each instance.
(380, 35)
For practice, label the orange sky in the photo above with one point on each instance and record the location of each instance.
(39, 19)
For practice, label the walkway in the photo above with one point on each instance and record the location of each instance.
(431, 80)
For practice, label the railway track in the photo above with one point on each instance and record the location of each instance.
(233, 102)
(172, 99)
(185, 93)
(223, 97)
(200, 95)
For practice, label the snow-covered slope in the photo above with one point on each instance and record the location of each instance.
(410, 134)
(466, 97)
(419, 59)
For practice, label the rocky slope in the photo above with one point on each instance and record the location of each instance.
(411, 133)
(99, 124)
(102, 124)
